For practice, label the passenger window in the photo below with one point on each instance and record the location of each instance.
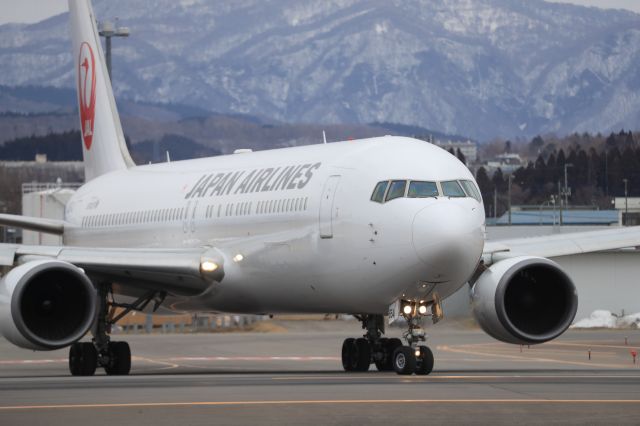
(396, 190)
(378, 192)
(452, 189)
(422, 189)
(471, 190)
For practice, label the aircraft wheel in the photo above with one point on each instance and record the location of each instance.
(83, 359)
(119, 359)
(362, 355)
(388, 347)
(347, 352)
(425, 361)
(404, 360)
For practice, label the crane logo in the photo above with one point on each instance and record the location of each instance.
(87, 92)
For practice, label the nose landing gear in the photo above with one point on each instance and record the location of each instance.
(414, 358)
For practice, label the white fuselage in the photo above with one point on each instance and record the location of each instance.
(299, 222)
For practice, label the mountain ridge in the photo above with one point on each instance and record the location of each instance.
(483, 68)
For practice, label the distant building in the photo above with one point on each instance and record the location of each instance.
(45, 200)
(468, 148)
(508, 163)
(629, 208)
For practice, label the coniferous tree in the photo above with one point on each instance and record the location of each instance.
(461, 156)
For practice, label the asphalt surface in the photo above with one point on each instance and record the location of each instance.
(295, 377)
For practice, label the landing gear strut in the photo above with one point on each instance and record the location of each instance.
(114, 357)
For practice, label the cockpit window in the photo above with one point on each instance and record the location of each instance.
(471, 189)
(418, 189)
(378, 192)
(452, 188)
(396, 190)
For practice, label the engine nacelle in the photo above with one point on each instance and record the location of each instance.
(524, 300)
(46, 304)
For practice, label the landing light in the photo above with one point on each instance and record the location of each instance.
(208, 266)
(417, 352)
(422, 310)
(238, 258)
(407, 309)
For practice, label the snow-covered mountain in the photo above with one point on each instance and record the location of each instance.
(482, 68)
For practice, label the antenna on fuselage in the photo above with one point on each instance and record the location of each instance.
(324, 137)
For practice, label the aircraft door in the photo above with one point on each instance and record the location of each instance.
(188, 219)
(193, 217)
(326, 206)
(184, 216)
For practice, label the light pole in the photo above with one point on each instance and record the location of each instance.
(626, 201)
(566, 187)
(509, 178)
(108, 30)
(540, 212)
(560, 199)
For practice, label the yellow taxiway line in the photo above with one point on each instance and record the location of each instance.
(322, 402)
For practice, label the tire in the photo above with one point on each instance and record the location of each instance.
(347, 353)
(83, 359)
(404, 360)
(119, 359)
(388, 347)
(382, 347)
(425, 361)
(362, 356)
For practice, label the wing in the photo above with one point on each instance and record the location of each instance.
(563, 244)
(176, 271)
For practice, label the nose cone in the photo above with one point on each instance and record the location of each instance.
(449, 239)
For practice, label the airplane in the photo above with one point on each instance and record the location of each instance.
(382, 228)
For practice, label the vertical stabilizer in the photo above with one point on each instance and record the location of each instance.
(103, 145)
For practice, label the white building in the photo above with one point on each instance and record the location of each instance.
(508, 163)
(468, 148)
(45, 200)
(629, 208)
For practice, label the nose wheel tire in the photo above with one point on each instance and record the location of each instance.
(404, 360)
(83, 359)
(424, 363)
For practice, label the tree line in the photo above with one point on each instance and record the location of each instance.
(597, 167)
(67, 146)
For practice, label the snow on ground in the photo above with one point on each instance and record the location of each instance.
(606, 319)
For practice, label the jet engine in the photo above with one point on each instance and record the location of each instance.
(524, 300)
(46, 304)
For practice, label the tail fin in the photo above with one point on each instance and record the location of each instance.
(103, 145)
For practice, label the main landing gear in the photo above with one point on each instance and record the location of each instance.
(389, 354)
(114, 357)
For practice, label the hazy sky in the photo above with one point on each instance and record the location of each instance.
(37, 10)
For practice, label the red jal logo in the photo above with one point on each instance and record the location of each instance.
(87, 92)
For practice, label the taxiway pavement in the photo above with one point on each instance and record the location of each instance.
(295, 377)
